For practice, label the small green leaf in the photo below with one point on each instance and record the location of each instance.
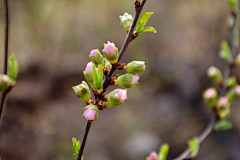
(148, 29)
(143, 20)
(223, 125)
(233, 3)
(225, 52)
(194, 146)
(76, 147)
(163, 152)
(13, 67)
(236, 37)
(232, 81)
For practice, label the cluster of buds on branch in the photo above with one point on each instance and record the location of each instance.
(94, 72)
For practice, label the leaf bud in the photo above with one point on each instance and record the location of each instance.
(135, 67)
(82, 91)
(126, 21)
(6, 82)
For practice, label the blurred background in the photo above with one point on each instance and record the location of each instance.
(52, 40)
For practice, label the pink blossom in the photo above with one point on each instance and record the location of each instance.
(89, 67)
(94, 52)
(144, 66)
(153, 156)
(122, 94)
(223, 101)
(212, 70)
(210, 93)
(134, 79)
(237, 89)
(90, 114)
(109, 48)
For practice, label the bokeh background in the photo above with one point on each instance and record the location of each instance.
(52, 40)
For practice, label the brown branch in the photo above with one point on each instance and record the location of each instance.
(6, 42)
(128, 39)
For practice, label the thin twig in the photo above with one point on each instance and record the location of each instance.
(88, 125)
(128, 39)
(210, 128)
(6, 41)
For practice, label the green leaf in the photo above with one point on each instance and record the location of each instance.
(225, 52)
(13, 67)
(194, 146)
(163, 152)
(231, 81)
(76, 147)
(148, 29)
(233, 3)
(142, 21)
(236, 37)
(223, 125)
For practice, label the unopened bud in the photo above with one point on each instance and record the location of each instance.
(223, 103)
(152, 156)
(223, 113)
(126, 21)
(210, 96)
(96, 57)
(237, 60)
(225, 52)
(233, 93)
(90, 112)
(232, 81)
(214, 74)
(82, 91)
(88, 73)
(6, 82)
(135, 67)
(127, 80)
(115, 98)
(110, 52)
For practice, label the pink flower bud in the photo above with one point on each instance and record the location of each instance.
(134, 79)
(122, 94)
(210, 93)
(144, 66)
(153, 156)
(212, 70)
(109, 48)
(94, 52)
(237, 89)
(90, 114)
(89, 67)
(223, 101)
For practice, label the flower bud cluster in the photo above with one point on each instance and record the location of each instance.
(100, 65)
